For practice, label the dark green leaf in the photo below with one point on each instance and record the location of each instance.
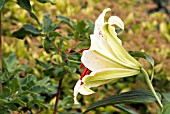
(18, 101)
(6, 92)
(25, 4)
(47, 44)
(34, 17)
(38, 89)
(21, 33)
(136, 96)
(125, 109)
(51, 34)
(42, 63)
(27, 79)
(145, 56)
(2, 3)
(81, 27)
(46, 1)
(15, 85)
(66, 20)
(12, 107)
(32, 29)
(4, 64)
(47, 22)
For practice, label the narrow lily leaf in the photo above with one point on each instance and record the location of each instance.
(125, 109)
(145, 56)
(166, 108)
(136, 96)
(166, 96)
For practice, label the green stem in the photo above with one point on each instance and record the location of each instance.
(73, 61)
(148, 81)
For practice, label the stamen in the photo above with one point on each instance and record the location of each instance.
(81, 65)
(83, 73)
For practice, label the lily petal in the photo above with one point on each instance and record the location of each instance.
(100, 22)
(115, 20)
(82, 89)
(97, 62)
(117, 47)
(98, 78)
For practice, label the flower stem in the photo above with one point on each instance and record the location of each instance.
(148, 81)
(57, 96)
(0, 50)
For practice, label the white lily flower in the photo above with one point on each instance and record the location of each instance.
(106, 58)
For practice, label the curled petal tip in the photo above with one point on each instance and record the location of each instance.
(115, 20)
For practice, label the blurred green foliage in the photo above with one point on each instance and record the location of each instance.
(53, 33)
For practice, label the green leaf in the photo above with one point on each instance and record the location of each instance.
(27, 79)
(66, 20)
(34, 17)
(166, 96)
(166, 108)
(46, 1)
(15, 85)
(81, 27)
(12, 107)
(2, 3)
(18, 101)
(38, 89)
(5, 93)
(47, 22)
(42, 63)
(32, 29)
(125, 109)
(43, 81)
(136, 96)
(90, 28)
(12, 62)
(4, 64)
(25, 4)
(2, 101)
(21, 33)
(51, 34)
(145, 56)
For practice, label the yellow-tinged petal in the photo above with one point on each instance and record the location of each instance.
(96, 62)
(118, 49)
(82, 89)
(98, 78)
